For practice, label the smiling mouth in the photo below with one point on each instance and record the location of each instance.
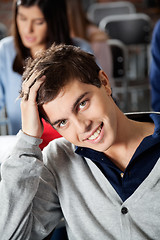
(96, 133)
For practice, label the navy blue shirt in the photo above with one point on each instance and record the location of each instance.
(140, 165)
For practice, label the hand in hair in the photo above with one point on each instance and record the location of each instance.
(31, 122)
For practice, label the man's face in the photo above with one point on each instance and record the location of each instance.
(85, 115)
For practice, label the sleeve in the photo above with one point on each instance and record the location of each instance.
(155, 68)
(27, 193)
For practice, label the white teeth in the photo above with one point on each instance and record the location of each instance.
(92, 137)
(96, 134)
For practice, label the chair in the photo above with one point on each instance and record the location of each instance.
(134, 30)
(129, 28)
(119, 74)
(97, 11)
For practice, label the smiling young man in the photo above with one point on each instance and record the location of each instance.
(102, 177)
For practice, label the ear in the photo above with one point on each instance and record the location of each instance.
(105, 81)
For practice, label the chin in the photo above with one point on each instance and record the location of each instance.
(98, 148)
(28, 44)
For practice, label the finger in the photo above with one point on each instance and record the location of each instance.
(27, 84)
(30, 81)
(35, 75)
(32, 95)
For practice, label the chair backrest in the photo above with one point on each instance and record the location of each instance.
(129, 28)
(119, 58)
(134, 30)
(97, 11)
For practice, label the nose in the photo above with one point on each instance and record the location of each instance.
(82, 124)
(28, 27)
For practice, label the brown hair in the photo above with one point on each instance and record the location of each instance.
(61, 64)
(78, 20)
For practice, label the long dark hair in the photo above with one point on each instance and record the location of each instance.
(55, 14)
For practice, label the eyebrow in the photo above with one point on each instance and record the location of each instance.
(24, 15)
(72, 108)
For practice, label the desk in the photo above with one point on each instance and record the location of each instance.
(6, 144)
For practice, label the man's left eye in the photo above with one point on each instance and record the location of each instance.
(82, 104)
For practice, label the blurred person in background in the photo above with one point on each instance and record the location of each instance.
(155, 68)
(36, 25)
(81, 26)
